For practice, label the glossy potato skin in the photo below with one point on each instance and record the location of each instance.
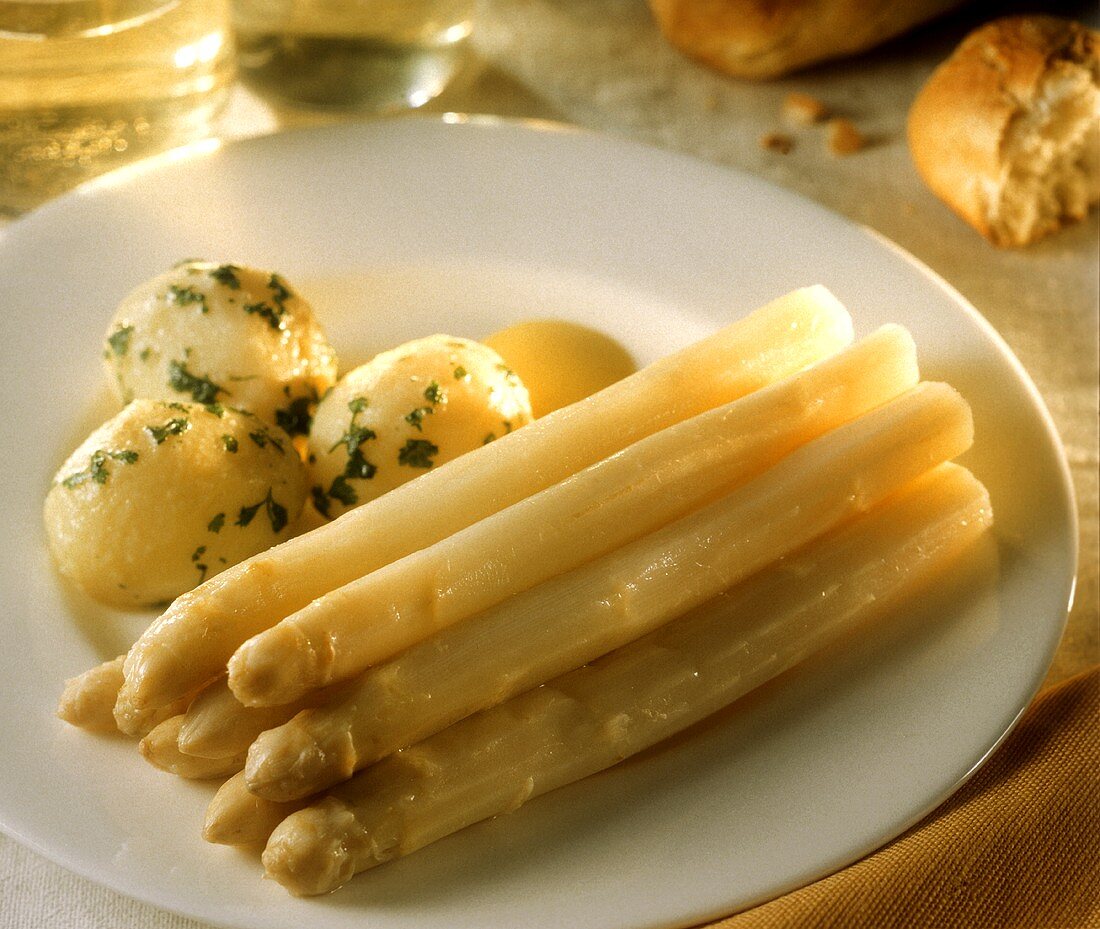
(205, 333)
(165, 495)
(406, 411)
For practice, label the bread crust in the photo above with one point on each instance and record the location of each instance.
(959, 122)
(762, 39)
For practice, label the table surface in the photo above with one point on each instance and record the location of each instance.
(601, 64)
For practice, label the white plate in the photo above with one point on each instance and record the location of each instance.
(402, 228)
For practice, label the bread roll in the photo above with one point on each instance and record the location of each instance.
(1007, 131)
(762, 39)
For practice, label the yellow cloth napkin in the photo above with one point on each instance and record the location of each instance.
(1017, 847)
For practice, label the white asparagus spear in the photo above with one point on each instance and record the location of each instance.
(88, 700)
(612, 502)
(633, 698)
(238, 817)
(189, 645)
(161, 749)
(218, 725)
(576, 617)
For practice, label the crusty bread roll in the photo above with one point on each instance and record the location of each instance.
(763, 39)
(1007, 130)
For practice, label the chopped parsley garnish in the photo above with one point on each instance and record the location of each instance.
(275, 311)
(415, 418)
(320, 500)
(145, 354)
(97, 467)
(280, 293)
(273, 314)
(461, 374)
(295, 419)
(510, 376)
(177, 426)
(434, 394)
(263, 438)
(119, 340)
(184, 296)
(215, 409)
(215, 525)
(343, 491)
(417, 453)
(276, 513)
(227, 275)
(353, 438)
(201, 389)
(492, 436)
(195, 556)
(230, 443)
(357, 466)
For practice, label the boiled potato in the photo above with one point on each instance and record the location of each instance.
(209, 333)
(406, 411)
(165, 495)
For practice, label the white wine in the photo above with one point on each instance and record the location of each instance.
(89, 85)
(375, 55)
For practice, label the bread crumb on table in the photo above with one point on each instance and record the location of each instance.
(803, 109)
(844, 138)
(777, 142)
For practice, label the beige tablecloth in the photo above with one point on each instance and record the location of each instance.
(601, 64)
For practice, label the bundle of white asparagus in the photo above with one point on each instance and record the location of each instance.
(544, 607)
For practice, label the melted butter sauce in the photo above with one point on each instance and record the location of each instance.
(561, 362)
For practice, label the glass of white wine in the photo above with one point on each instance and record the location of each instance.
(89, 85)
(367, 55)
